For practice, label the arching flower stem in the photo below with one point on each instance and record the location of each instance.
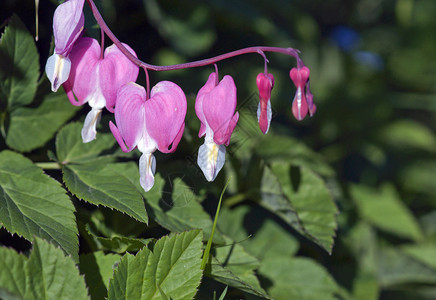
(265, 71)
(199, 63)
(102, 44)
(147, 79)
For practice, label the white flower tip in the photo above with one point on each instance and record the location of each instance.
(147, 169)
(89, 130)
(57, 69)
(211, 158)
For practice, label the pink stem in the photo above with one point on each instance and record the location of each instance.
(199, 63)
(102, 44)
(147, 79)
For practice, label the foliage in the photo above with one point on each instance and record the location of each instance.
(339, 206)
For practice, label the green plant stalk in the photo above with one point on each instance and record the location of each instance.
(209, 242)
(48, 165)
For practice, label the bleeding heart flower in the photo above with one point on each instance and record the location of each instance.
(96, 80)
(156, 123)
(215, 107)
(68, 22)
(265, 83)
(302, 104)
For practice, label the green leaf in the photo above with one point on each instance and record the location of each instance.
(172, 269)
(19, 65)
(362, 240)
(189, 33)
(46, 274)
(103, 184)
(424, 253)
(269, 239)
(297, 278)
(233, 266)
(395, 268)
(71, 149)
(33, 204)
(383, 209)
(98, 269)
(285, 149)
(405, 133)
(172, 204)
(31, 128)
(301, 198)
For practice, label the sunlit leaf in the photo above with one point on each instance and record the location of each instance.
(385, 210)
(405, 134)
(19, 65)
(46, 274)
(171, 269)
(33, 204)
(172, 203)
(71, 149)
(31, 128)
(302, 200)
(297, 278)
(104, 184)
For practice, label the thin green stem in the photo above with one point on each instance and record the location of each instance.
(48, 165)
(209, 242)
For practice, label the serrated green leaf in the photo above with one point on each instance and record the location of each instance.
(19, 65)
(171, 269)
(297, 278)
(233, 266)
(302, 200)
(117, 244)
(383, 209)
(31, 128)
(46, 274)
(102, 184)
(172, 203)
(71, 149)
(33, 204)
(98, 269)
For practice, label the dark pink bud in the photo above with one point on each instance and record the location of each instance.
(300, 77)
(265, 83)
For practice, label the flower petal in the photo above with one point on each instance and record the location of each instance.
(299, 105)
(58, 70)
(205, 89)
(118, 137)
(130, 114)
(68, 22)
(89, 130)
(219, 107)
(83, 75)
(165, 113)
(264, 115)
(147, 169)
(115, 70)
(211, 158)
